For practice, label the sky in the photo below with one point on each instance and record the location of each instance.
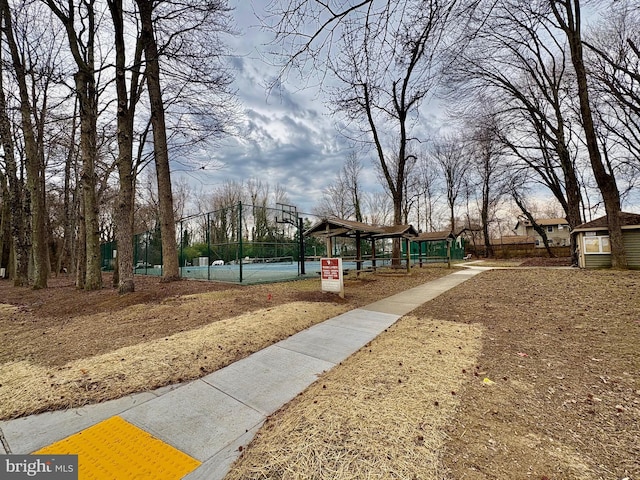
(287, 137)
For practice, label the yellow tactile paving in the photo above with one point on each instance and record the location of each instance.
(117, 450)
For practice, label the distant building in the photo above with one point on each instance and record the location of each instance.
(557, 230)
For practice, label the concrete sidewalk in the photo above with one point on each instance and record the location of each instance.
(211, 418)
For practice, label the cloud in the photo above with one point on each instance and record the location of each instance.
(287, 135)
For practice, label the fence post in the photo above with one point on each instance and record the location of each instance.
(240, 237)
(208, 248)
(300, 230)
(181, 247)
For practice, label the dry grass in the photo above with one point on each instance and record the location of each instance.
(559, 349)
(29, 388)
(380, 414)
(64, 348)
(570, 408)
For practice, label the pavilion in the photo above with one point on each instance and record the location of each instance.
(331, 228)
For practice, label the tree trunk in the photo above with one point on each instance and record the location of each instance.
(605, 180)
(396, 250)
(81, 251)
(65, 256)
(5, 224)
(573, 204)
(82, 45)
(539, 230)
(35, 170)
(484, 216)
(17, 202)
(85, 84)
(170, 268)
(124, 274)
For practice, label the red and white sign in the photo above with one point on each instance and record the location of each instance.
(331, 275)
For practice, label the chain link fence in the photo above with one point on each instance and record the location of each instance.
(239, 243)
(256, 244)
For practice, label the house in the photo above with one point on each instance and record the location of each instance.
(592, 241)
(557, 229)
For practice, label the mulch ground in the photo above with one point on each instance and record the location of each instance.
(562, 349)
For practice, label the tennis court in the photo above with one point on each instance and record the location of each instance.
(256, 270)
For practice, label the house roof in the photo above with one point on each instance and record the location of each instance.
(544, 221)
(513, 240)
(627, 221)
(338, 227)
(434, 236)
(397, 231)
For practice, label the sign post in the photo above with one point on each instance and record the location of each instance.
(332, 276)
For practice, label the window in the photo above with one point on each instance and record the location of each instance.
(550, 228)
(597, 245)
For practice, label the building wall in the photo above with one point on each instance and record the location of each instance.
(597, 261)
(632, 249)
(557, 237)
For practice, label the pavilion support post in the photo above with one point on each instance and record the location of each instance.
(373, 254)
(358, 253)
(329, 243)
(329, 246)
(407, 246)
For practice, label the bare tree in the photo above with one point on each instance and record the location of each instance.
(169, 36)
(518, 191)
(568, 15)
(258, 192)
(351, 172)
(386, 62)
(79, 23)
(127, 96)
(517, 65)
(33, 151)
(614, 64)
(343, 197)
(425, 188)
(388, 98)
(67, 143)
(170, 267)
(379, 208)
(452, 159)
(14, 197)
(487, 155)
(5, 224)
